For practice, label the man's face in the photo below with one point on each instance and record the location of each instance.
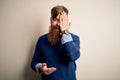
(61, 21)
(54, 32)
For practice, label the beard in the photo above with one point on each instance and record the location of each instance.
(54, 36)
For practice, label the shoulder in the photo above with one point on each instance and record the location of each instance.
(74, 36)
(42, 37)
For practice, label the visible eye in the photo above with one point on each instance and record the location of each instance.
(55, 19)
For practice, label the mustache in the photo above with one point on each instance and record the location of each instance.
(55, 27)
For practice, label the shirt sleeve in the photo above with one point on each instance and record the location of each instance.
(66, 39)
(37, 66)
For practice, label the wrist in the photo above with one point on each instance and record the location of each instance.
(64, 35)
(64, 32)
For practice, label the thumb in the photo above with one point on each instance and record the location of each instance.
(44, 64)
(69, 23)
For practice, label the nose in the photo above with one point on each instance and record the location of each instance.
(58, 24)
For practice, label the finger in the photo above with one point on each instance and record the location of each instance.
(58, 16)
(43, 67)
(64, 16)
(52, 69)
(61, 12)
(49, 70)
(61, 19)
(44, 64)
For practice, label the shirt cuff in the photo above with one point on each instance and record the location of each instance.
(66, 39)
(37, 67)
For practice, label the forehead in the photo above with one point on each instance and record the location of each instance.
(56, 18)
(57, 15)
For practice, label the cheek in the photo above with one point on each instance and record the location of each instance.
(53, 22)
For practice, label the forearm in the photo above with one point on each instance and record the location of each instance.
(35, 65)
(72, 46)
(72, 51)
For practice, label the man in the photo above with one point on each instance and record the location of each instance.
(56, 52)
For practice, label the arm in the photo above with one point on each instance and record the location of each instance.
(72, 46)
(70, 42)
(35, 63)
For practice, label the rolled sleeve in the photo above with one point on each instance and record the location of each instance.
(66, 39)
(37, 66)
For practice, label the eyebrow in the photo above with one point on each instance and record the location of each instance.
(56, 18)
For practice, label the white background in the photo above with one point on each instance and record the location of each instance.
(96, 22)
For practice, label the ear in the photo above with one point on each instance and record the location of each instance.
(50, 20)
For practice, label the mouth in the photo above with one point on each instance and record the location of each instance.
(56, 27)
